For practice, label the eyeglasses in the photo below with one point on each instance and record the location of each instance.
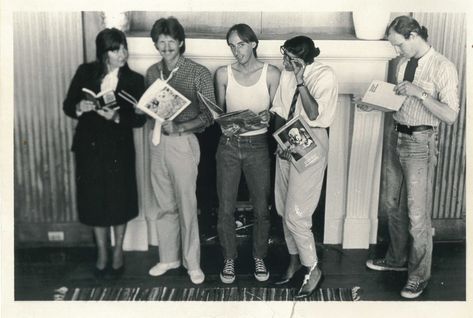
(284, 52)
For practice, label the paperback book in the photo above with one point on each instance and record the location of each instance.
(297, 137)
(382, 96)
(101, 99)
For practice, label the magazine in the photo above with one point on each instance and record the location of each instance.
(162, 102)
(296, 135)
(238, 122)
(101, 99)
(381, 96)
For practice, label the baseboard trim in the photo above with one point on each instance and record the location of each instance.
(449, 229)
(75, 234)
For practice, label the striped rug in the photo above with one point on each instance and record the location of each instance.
(201, 294)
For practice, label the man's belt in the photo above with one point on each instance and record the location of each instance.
(410, 129)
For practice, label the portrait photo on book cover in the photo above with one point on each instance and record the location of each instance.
(162, 102)
(296, 136)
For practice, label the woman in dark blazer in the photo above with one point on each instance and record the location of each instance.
(103, 145)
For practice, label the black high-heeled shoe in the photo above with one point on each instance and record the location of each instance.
(117, 272)
(100, 273)
(284, 279)
(311, 280)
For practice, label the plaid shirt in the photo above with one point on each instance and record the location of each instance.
(189, 79)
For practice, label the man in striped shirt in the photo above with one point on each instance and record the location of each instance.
(430, 82)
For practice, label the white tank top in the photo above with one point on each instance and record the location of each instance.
(255, 97)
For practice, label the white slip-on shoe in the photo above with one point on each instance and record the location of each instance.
(161, 268)
(196, 276)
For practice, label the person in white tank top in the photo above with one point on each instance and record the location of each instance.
(255, 97)
(246, 84)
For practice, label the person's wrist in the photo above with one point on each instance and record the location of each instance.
(300, 83)
(423, 96)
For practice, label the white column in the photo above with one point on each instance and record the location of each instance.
(337, 172)
(360, 224)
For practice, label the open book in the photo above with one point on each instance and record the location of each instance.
(162, 102)
(239, 122)
(297, 136)
(101, 99)
(381, 96)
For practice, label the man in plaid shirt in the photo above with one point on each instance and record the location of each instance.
(175, 159)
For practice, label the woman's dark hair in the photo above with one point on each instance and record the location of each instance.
(246, 33)
(108, 40)
(169, 26)
(302, 47)
(404, 25)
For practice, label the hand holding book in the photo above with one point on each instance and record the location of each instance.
(85, 106)
(381, 96)
(169, 127)
(101, 99)
(230, 130)
(109, 113)
(284, 154)
(264, 116)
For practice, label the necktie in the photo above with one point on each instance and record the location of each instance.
(410, 69)
(293, 105)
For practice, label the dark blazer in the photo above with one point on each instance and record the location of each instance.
(104, 150)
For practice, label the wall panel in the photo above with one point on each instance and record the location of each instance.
(48, 48)
(449, 190)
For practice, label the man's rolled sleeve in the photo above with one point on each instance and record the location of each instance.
(448, 87)
(325, 91)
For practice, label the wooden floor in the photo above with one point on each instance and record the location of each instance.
(38, 271)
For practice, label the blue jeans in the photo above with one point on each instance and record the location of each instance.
(249, 154)
(409, 214)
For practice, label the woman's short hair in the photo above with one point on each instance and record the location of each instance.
(246, 33)
(108, 40)
(169, 26)
(302, 47)
(404, 25)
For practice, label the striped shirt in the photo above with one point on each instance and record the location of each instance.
(189, 79)
(437, 76)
